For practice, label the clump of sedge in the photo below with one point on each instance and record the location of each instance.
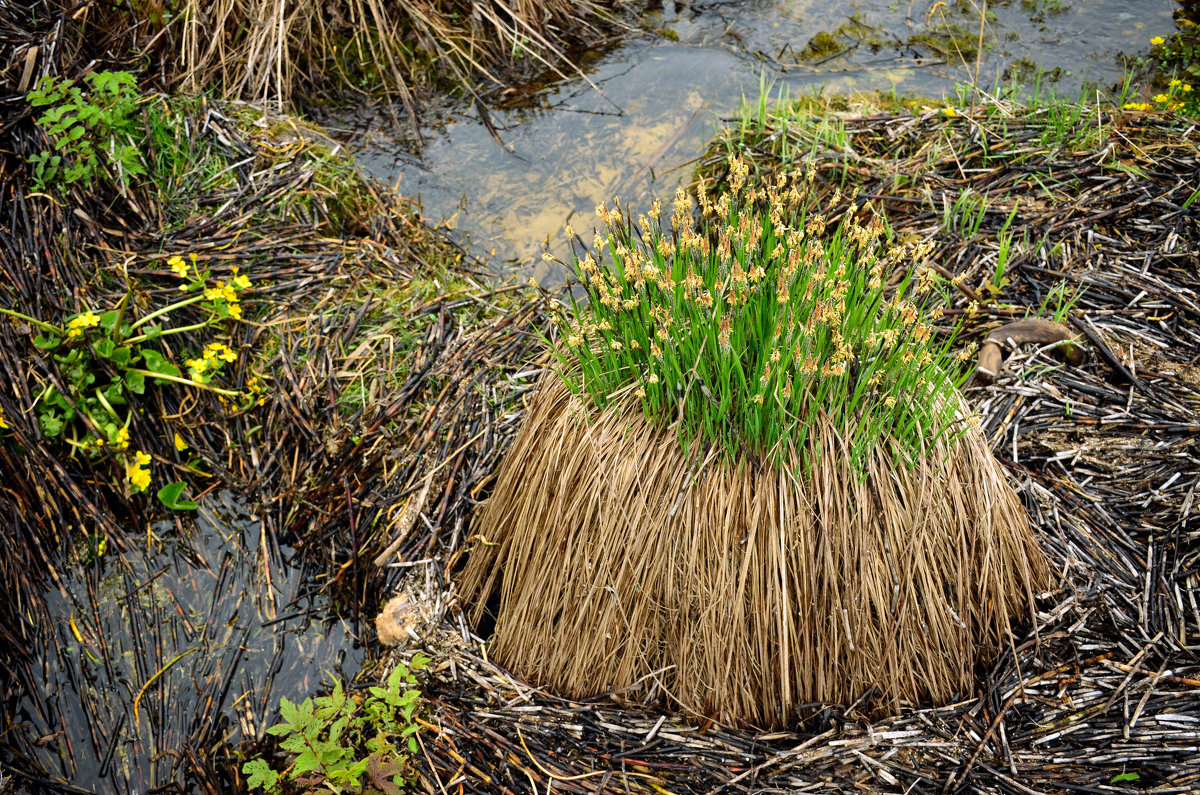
(765, 321)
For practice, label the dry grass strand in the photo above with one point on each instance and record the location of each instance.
(736, 592)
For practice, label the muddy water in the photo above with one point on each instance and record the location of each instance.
(643, 111)
(168, 653)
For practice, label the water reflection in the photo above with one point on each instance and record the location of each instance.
(154, 660)
(558, 151)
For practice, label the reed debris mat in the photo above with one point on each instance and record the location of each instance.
(1102, 693)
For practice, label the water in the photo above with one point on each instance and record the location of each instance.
(562, 148)
(156, 661)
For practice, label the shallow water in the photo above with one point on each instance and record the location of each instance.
(153, 655)
(656, 103)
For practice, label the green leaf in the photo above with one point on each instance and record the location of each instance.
(51, 422)
(115, 394)
(46, 342)
(306, 761)
(109, 320)
(152, 331)
(171, 495)
(121, 356)
(259, 774)
(294, 743)
(156, 363)
(104, 348)
(1125, 777)
(288, 710)
(56, 398)
(136, 382)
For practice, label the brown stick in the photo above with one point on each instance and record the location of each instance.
(1036, 330)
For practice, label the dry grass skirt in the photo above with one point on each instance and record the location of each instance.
(737, 591)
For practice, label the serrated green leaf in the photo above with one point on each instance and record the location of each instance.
(287, 709)
(293, 743)
(259, 774)
(306, 761)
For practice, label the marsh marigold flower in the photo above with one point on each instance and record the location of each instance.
(88, 319)
(240, 280)
(136, 472)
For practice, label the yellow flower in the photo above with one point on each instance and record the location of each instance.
(178, 266)
(240, 280)
(235, 311)
(1162, 99)
(122, 440)
(87, 320)
(218, 350)
(1136, 106)
(4, 426)
(180, 444)
(1174, 83)
(1157, 40)
(949, 111)
(197, 368)
(137, 474)
(1187, 88)
(213, 293)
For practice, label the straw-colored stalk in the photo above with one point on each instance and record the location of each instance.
(261, 49)
(738, 592)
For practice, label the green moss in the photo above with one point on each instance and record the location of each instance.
(821, 46)
(949, 40)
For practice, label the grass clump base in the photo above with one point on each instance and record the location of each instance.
(754, 487)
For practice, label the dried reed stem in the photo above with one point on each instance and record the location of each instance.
(738, 592)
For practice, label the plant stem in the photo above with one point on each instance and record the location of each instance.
(159, 312)
(186, 381)
(179, 330)
(108, 407)
(43, 326)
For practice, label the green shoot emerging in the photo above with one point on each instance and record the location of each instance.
(766, 325)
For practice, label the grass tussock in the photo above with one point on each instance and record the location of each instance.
(736, 591)
(755, 485)
(774, 315)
